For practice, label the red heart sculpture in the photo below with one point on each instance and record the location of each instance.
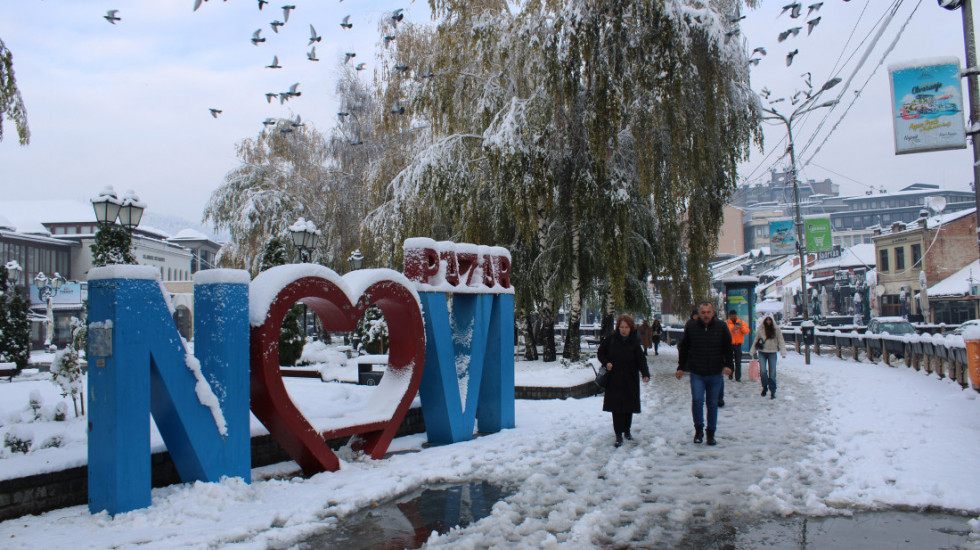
(272, 293)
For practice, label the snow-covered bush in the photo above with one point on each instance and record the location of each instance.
(34, 403)
(60, 412)
(57, 440)
(66, 372)
(372, 330)
(79, 335)
(18, 439)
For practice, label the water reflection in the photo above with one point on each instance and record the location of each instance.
(409, 521)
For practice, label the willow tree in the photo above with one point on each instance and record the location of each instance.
(577, 133)
(11, 102)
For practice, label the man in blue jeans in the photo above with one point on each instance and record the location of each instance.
(705, 352)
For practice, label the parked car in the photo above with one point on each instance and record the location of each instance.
(962, 328)
(894, 326)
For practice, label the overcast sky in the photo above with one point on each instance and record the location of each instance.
(127, 104)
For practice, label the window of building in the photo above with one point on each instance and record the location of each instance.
(883, 260)
(838, 223)
(886, 218)
(916, 254)
(892, 204)
(900, 257)
(867, 221)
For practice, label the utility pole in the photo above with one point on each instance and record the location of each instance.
(804, 108)
(969, 40)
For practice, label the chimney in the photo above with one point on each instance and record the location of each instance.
(923, 217)
(897, 226)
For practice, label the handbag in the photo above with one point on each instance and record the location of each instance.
(601, 376)
(754, 370)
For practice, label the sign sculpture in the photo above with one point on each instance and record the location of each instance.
(140, 366)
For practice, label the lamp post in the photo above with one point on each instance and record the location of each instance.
(804, 108)
(47, 287)
(355, 260)
(305, 236)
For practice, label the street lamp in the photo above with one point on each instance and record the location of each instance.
(131, 211)
(47, 287)
(804, 108)
(305, 236)
(106, 206)
(355, 260)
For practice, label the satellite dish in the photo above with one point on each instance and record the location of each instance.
(936, 204)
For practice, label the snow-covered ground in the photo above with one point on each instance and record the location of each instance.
(841, 436)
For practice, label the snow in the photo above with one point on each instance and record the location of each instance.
(267, 285)
(826, 445)
(122, 271)
(957, 284)
(218, 276)
(190, 234)
(922, 62)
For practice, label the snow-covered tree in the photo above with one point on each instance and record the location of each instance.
(11, 103)
(291, 334)
(591, 137)
(15, 328)
(66, 373)
(113, 245)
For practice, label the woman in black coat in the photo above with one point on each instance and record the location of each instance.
(622, 355)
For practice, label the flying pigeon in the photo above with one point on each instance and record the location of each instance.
(311, 55)
(813, 7)
(275, 25)
(111, 17)
(729, 35)
(759, 50)
(215, 112)
(348, 56)
(285, 129)
(429, 74)
(270, 96)
(755, 60)
(345, 22)
(292, 90)
(397, 16)
(262, 3)
(197, 4)
(810, 24)
(275, 63)
(794, 9)
(389, 38)
(255, 37)
(296, 123)
(269, 122)
(735, 18)
(283, 97)
(314, 37)
(401, 68)
(795, 31)
(285, 13)
(342, 114)
(359, 67)
(399, 110)
(790, 56)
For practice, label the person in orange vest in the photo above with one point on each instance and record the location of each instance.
(739, 329)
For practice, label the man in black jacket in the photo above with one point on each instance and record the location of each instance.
(705, 352)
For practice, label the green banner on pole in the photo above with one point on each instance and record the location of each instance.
(818, 235)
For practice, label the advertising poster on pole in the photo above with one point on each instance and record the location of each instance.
(782, 237)
(927, 105)
(818, 235)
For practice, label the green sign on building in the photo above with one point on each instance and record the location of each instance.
(818, 235)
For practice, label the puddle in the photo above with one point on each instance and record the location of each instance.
(865, 530)
(408, 521)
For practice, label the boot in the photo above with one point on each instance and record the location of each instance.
(711, 438)
(628, 436)
(698, 434)
(773, 395)
(619, 440)
(764, 390)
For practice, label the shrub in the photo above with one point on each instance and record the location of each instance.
(18, 439)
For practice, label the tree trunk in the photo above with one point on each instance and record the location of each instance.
(530, 344)
(608, 317)
(573, 337)
(547, 334)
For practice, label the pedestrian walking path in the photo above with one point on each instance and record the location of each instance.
(840, 437)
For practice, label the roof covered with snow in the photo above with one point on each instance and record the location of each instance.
(29, 214)
(859, 255)
(957, 284)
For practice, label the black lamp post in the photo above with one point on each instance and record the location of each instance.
(114, 245)
(305, 236)
(355, 260)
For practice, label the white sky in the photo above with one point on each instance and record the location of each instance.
(127, 104)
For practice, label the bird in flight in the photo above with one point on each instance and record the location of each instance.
(790, 56)
(755, 60)
(314, 37)
(342, 114)
(262, 3)
(389, 38)
(311, 55)
(397, 16)
(785, 34)
(111, 16)
(348, 56)
(269, 122)
(813, 7)
(794, 9)
(275, 63)
(256, 38)
(345, 22)
(270, 96)
(215, 112)
(296, 123)
(275, 25)
(401, 68)
(359, 67)
(398, 110)
(759, 50)
(292, 90)
(810, 24)
(285, 13)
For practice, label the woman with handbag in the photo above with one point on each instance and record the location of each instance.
(622, 356)
(656, 330)
(768, 341)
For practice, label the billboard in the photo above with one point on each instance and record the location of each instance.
(927, 105)
(818, 235)
(782, 237)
